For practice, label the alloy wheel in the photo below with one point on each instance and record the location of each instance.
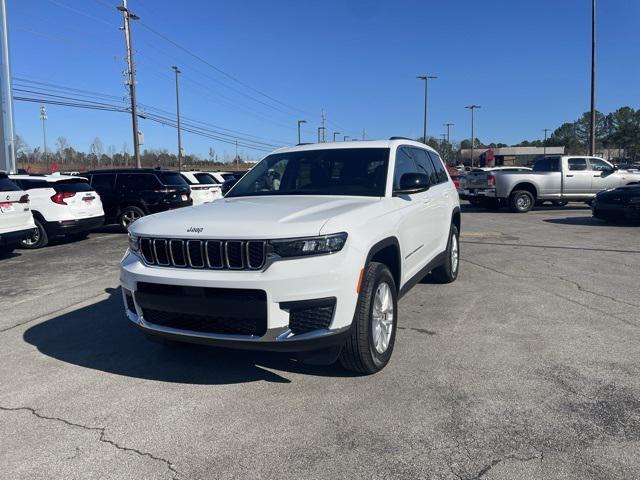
(382, 317)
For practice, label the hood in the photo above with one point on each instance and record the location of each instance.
(626, 190)
(251, 217)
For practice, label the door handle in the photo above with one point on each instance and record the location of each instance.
(597, 175)
(569, 175)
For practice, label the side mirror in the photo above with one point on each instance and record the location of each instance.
(413, 183)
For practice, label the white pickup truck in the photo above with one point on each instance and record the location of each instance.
(573, 178)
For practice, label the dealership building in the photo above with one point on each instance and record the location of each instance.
(507, 156)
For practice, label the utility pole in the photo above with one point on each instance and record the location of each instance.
(334, 135)
(131, 78)
(7, 145)
(363, 134)
(319, 138)
(344, 139)
(544, 145)
(175, 69)
(322, 128)
(592, 136)
(300, 122)
(426, 79)
(237, 158)
(473, 134)
(43, 117)
(444, 139)
(448, 125)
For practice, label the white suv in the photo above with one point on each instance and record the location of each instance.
(62, 205)
(308, 253)
(204, 187)
(16, 221)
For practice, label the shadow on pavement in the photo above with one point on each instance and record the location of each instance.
(100, 337)
(588, 221)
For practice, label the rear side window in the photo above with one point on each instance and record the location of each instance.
(551, 164)
(439, 167)
(103, 181)
(139, 181)
(577, 164)
(7, 185)
(425, 165)
(205, 178)
(171, 178)
(72, 186)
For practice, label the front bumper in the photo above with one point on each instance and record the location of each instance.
(285, 283)
(69, 227)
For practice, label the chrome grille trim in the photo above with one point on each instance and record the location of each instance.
(240, 259)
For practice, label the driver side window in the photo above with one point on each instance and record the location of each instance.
(599, 165)
(404, 164)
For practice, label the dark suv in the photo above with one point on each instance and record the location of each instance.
(128, 194)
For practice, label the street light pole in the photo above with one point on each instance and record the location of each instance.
(131, 78)
(344, 139)
(544, 151)
(175, 68)
(300, 122)
(473, 134)
(426, 79)
(334, 135)
(43, 117)
(592, 136)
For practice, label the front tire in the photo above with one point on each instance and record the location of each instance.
(448, 271)
(38, 239)
(373, 331)
(521, 201)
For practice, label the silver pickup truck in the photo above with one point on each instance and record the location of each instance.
(557, 179)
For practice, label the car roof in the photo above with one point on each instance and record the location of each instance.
(130, 170)
(395, 142)
(47, 178)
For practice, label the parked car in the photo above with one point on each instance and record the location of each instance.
(313, 263)
(62, 206)
(204, 187)
(561, 179)
(618, 204)
(222, 177)
(231, 181)
(131, 193)
(16, 220)
(480, 182)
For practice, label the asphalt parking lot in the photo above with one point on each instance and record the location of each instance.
(527, 367)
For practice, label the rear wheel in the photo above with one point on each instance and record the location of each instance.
(373, 331)
(521, 201)
(38, 238)
(448, 271)
(129, 215)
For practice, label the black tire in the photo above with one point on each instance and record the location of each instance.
(39, 238)
(448, 271)
(359, 353)
(559, 203)
(521, 201)
(7, 250)
(128, 215)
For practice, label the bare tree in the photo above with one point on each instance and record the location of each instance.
(20, 146)
(61, 144)
(96, 147)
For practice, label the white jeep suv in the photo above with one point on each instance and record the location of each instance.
(308, 253)
(16, 221)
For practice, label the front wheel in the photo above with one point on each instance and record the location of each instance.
(129, 215)
(448, 271)
(521, 201)
(373, 331)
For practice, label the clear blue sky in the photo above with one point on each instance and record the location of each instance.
(525, 63)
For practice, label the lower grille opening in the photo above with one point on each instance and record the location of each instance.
(308, 315)
(206, 310)
(131, 306)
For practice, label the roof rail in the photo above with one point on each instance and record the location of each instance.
(402, 138)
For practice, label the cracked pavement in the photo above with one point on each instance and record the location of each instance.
(527, 367)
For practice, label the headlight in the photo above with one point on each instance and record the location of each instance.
(302, 247)
(134, 243)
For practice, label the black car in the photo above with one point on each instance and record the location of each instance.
(618, 204)
(226, 186)
(130, 193)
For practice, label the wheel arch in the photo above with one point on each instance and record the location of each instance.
(387, 252)
(133, 203)
(527, 186)
(456, 219)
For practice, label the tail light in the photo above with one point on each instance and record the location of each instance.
(165, 190)
(491, 180)
(24, 198)
(60, 196)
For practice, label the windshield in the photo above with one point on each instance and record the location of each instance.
(345, 171)
(72, 186)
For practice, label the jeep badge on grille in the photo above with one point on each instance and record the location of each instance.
(195, 230)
